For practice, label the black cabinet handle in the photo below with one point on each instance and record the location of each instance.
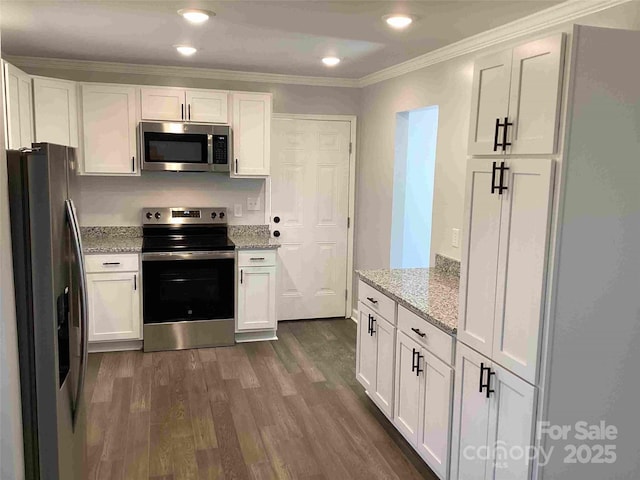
(189, 111)
(481, 377)
(487, 385)
(419, 332)
(506, 126)
(241, 275)
(236, 165)
(182, 111)
(372, 300)
(110, 263)
(133, 164)
(501, 187)
(418, 369)
(495, 135)
(135, 282)
(369, 325)
(413, 360)
(373, 320)
(256, 258)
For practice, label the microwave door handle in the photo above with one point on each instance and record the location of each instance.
(210, 149)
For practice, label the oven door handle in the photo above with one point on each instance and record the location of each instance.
(167, 256)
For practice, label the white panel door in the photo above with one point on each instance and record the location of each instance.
(534, 104)
(207, 106)
(479, 258)
(471, 409)
(385, 338)
(114, 306)
(435, 413)
(511, 424)
(251, 134)
(256, 298)
(489, 101)
(408, 387)
(310, 195)
(55, 111)
(19, 104)
(366, 351)
(109, 129)
(524, 234)
(163, 104)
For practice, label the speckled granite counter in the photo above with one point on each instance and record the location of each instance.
(111, 239)
(248, 237)
(431, 293)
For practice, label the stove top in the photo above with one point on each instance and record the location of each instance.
(185, 229)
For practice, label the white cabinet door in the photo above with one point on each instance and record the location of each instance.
(524, 233)
(366, 354)
(256, 298)
(479, 258)
(511, 424)
(55, 111)
(534, 106)
(489, 101)
(408, 388)
(435, 413)
(109, 129)
(385, 338)
(114, 306)
(19, 105)
(471, 409)
(163, 104)
(207, 106)
(251, 134)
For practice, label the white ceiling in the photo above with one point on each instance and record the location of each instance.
(286, 37)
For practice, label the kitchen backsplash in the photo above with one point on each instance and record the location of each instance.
(448, 265)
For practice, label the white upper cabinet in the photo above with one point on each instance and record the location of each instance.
(251, 134)
(489, 101)
(109, 122)
(515, 103)
(163, 104)
(504, 259)
(177, 104)
(207, 106)
(56, 111)
(19, 107)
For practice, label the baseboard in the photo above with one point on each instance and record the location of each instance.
(354, 315)
(264, 336)
(117, 346)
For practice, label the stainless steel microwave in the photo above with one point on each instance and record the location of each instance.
(185, 147)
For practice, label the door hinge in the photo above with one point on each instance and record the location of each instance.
(350, 147)
(348, 222)
(346, 294)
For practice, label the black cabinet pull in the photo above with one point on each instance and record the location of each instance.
(481, 377)
(135, 282)
(110, 263)
(256, 258)
(133, 164)
(506, 126)
(413, 360)
(488, 385)
(373, 320)
(182, 111)
(372, 300)
(236, 165)
(241, 275)
(500, 187)
(419, 332)
(418, 369)
(189, 111)
(495, 135)
(369, 325)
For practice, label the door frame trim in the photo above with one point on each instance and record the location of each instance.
(352, 119)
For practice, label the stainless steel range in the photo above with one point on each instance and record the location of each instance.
(188, 267)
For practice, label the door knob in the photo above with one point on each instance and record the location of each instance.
(276, 233)
(276, 219)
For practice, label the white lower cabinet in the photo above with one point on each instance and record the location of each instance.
(375, 360)
(114, 298)
(256, 291)
(493, 420)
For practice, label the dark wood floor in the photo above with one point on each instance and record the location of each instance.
(271, 410)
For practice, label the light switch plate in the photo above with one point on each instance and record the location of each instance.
(253, 203)
(455, 237)
(237, 210)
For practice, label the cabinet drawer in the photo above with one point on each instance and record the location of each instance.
(111, 263)
(376, 301)
(256, 258)
(435, 340)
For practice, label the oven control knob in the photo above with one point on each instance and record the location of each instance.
(221, 215)
(149, 215)
(158, 215)
(213, 214)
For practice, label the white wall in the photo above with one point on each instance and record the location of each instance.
(11, 463)
(447, 85)
(117, 201)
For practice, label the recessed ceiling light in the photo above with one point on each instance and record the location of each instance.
(398, 21)
(186, 50)
(195, 15)
(331, 61)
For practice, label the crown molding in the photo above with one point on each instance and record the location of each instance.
(544, 19)
(558, 14)
(174, 71)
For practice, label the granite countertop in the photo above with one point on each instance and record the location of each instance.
(431, 293)
(246, 242)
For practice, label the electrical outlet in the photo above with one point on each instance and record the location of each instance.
(455, 237)
(237, 210)
(253, 203)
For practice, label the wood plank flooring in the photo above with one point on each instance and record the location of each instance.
(289, 409)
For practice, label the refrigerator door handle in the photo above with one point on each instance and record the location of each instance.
(77, 244)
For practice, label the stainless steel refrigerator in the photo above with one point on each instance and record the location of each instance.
(51, 307)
